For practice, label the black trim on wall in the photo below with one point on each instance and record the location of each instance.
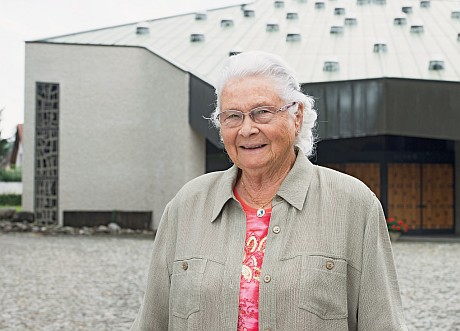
(216, 158)
(386, 148)
(201, 105)
(406, 107)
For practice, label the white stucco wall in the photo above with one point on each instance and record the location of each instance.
(125, 142)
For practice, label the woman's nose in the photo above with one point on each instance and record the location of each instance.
(248, 127)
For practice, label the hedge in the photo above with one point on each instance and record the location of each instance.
(10, 199)
(11, 175)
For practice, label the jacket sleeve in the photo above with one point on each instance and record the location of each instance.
(379, 306)
(154, 312)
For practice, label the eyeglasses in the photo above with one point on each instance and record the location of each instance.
(260, 115)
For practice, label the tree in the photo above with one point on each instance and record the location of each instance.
(4, 143)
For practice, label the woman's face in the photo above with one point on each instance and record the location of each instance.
(253, 146)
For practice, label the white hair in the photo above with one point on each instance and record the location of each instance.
(257, 63)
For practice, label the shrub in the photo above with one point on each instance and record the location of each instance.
(10, 199)
(11, 175)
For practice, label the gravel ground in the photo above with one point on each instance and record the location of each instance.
(429, 279)
(97, 283)
(71, 283)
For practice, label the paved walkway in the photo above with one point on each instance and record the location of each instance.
(97, 283)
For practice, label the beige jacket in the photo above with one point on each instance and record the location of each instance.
(328, 263)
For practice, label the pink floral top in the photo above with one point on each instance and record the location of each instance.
(254, 249)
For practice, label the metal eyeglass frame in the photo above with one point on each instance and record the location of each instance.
(253, 114)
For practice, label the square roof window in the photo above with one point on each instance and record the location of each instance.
(336, 29)
(380, 48)
(292, 16)
(320, 5)
(331, 65)
(436, 65)
(226, 23)
(400, 21)
(197, 37)
(425, 4)
(272, 27)
(293, 37)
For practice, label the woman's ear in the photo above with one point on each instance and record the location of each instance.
(299, 116)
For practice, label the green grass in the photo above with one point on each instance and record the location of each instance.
(17, 208)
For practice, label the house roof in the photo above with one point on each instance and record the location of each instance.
(324, 40)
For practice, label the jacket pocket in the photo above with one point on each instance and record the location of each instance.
(186, 282)
(323, 287)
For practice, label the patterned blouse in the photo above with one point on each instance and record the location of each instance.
(254, 248)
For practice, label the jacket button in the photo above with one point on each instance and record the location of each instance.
(276, 229)
(267, 278)
(329, 265)
(184, 265)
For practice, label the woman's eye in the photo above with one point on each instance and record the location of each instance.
(233, 116)
(261, 111)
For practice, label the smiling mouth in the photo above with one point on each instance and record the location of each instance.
(254, 146)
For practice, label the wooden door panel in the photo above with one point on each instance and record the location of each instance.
(368, 173)
(420, 194)
(336, 166)
(404, 193)
(438, 197)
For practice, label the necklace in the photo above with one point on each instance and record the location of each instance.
(261, 210)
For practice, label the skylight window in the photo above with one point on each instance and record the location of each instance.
(292, 16)
(293, 37)
(279, 4)
(201, 16)
(226, 23)
(363, 2)
(249, 13)
(455, 14)
(425, 4)
(143, 28)
(336, 29)
(380, 47)
(436, 65)
(417, 28)
(380, 2)
(351, 21)
(400, 21)
(458, 36)
(320, 5)
(339, 11)
(197, 37)
(272, 27)
(331, 65)
(407, 9)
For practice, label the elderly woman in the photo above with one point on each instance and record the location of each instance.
(275, 242)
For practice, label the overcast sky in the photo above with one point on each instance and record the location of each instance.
(22, 20)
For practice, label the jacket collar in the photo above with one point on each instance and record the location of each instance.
(295, 186)
(225, 190)
(293, 189)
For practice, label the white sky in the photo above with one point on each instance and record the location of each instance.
(22, 20)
